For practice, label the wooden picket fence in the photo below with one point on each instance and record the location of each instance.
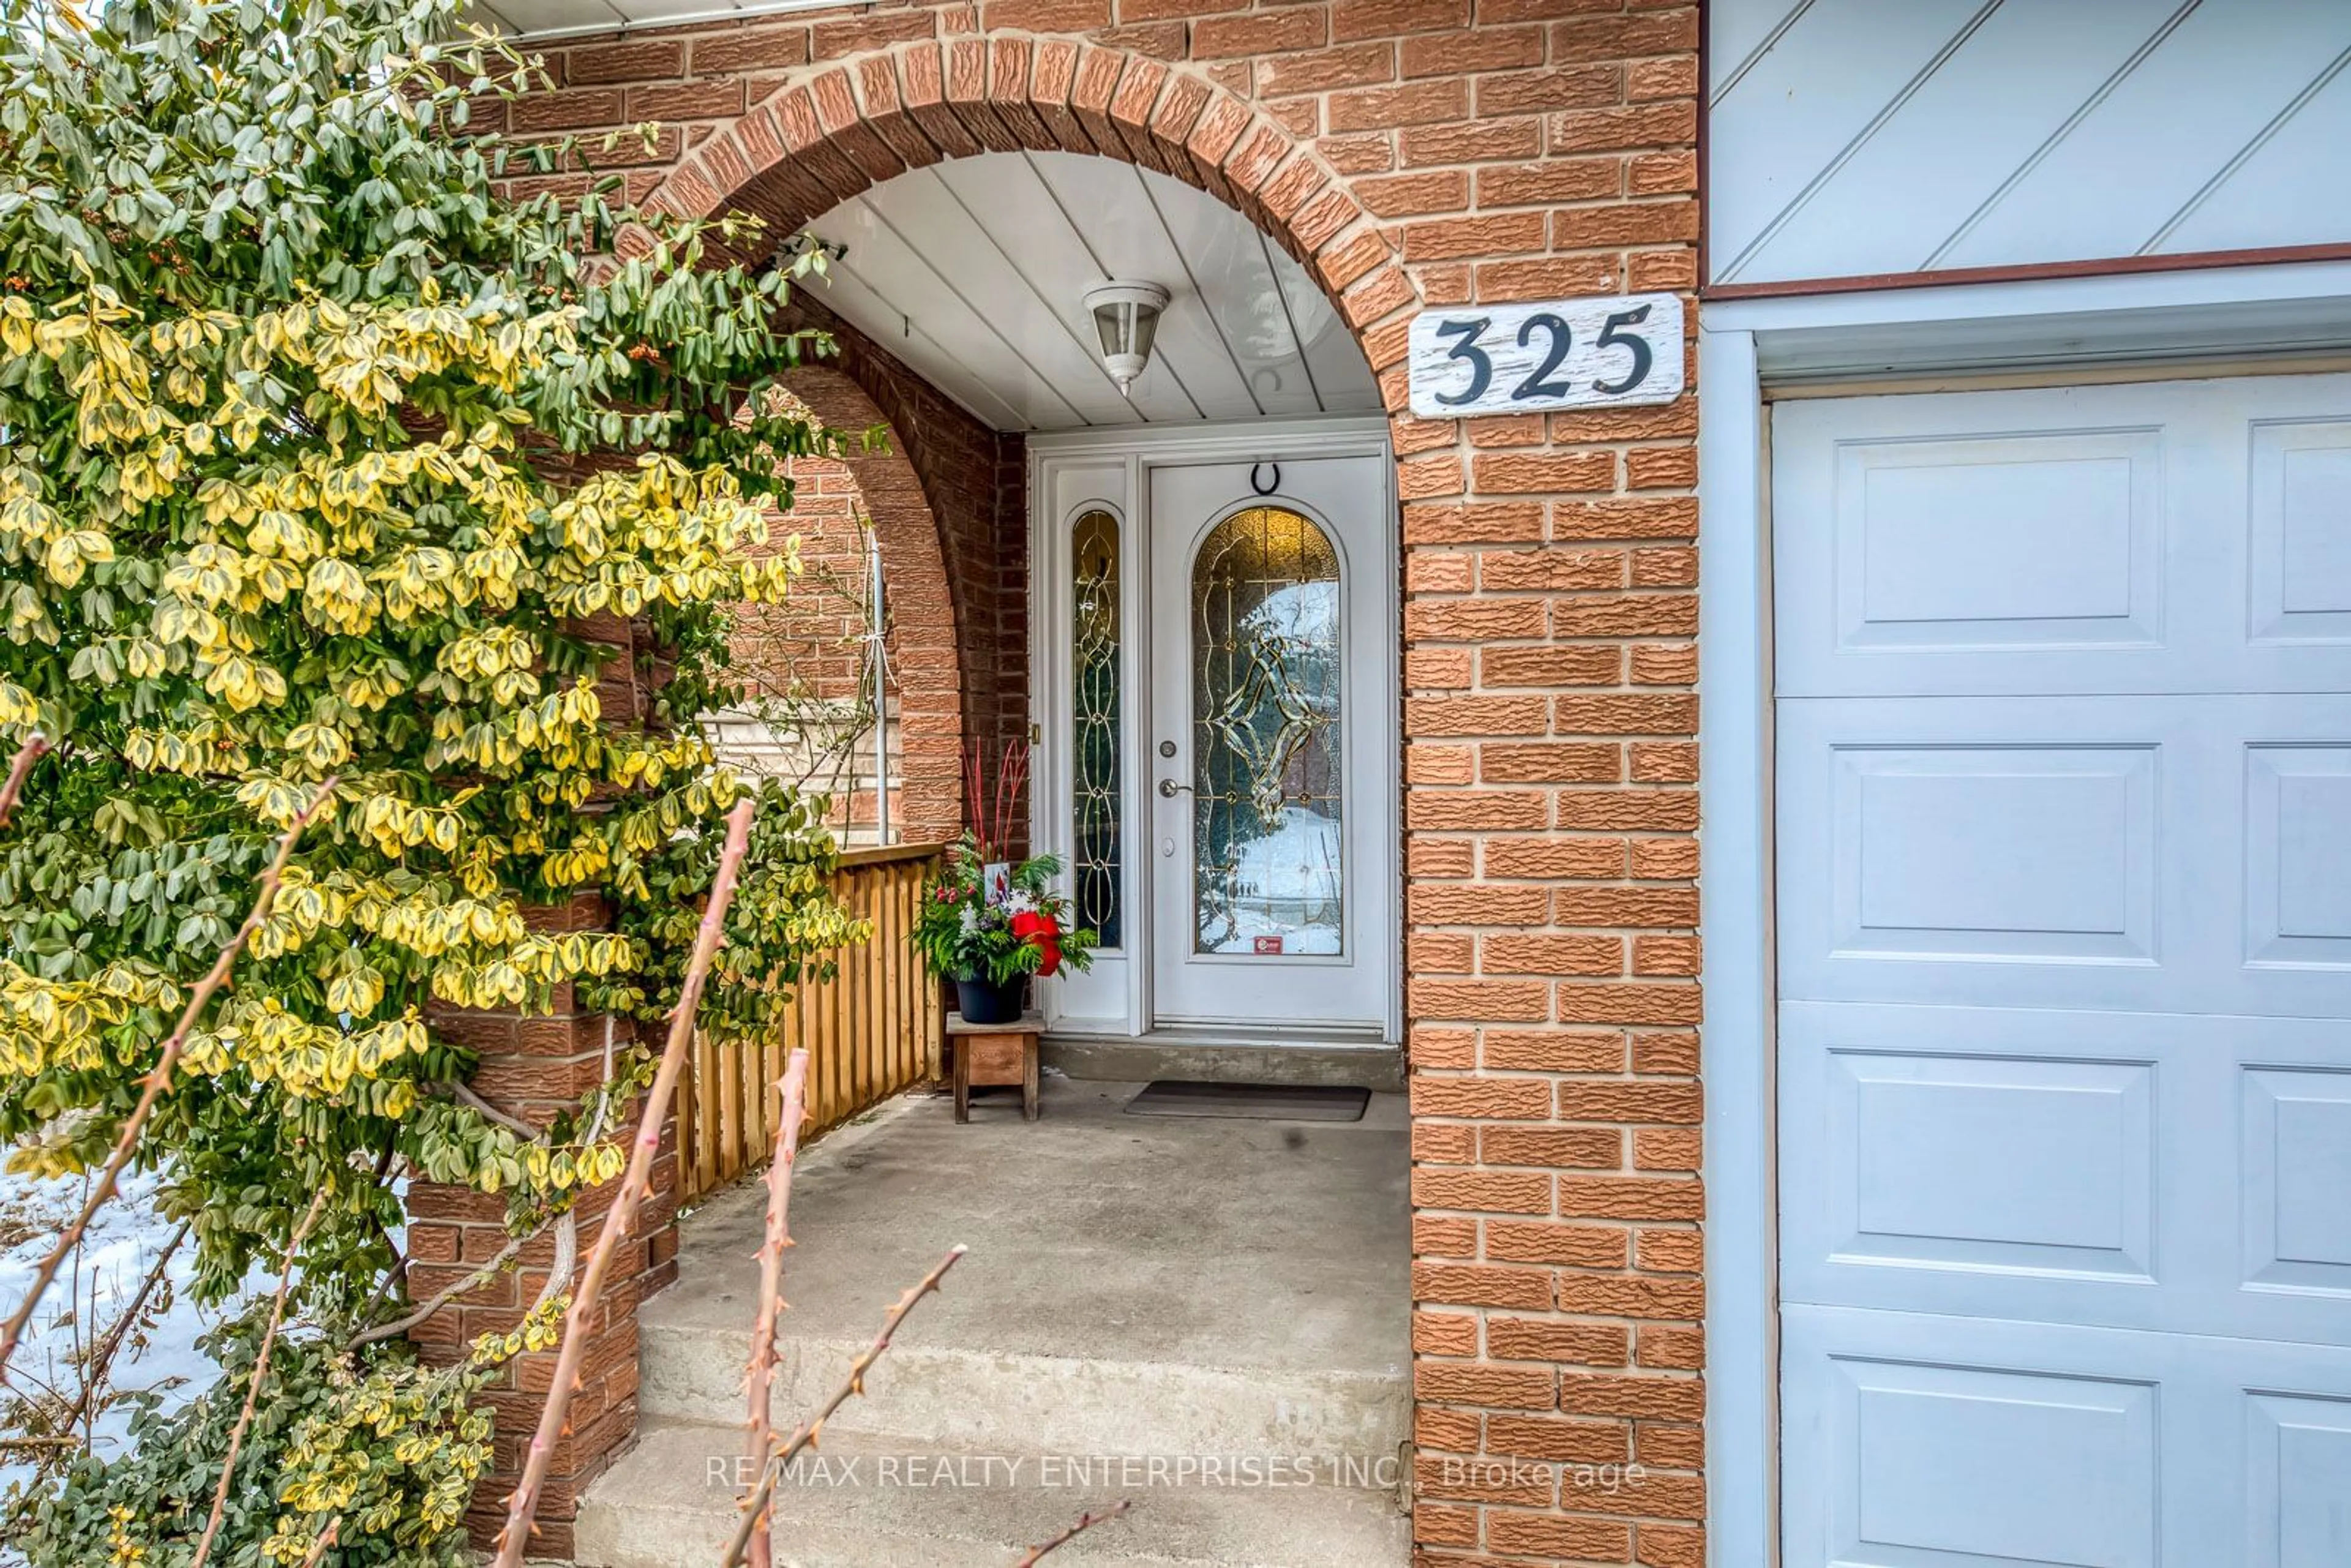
(871, 1031)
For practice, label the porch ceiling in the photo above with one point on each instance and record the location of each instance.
(973, 271)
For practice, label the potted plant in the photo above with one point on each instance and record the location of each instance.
(988, 925)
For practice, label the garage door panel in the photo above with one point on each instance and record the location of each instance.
(1960, 1466)
(1990, 1163)
(2300, 523)
(2298, 1480)
(2175, 853)
(1927, 535)
(2298, 856)
(2180, 1173)
(1928, 1440)
(2297, 1181)
(1969, 852)
(2178, 537)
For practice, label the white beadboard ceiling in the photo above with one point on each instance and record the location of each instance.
(1850, 138)
(973, 272)
(541, 19)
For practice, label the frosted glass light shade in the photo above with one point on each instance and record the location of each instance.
(1126, 318)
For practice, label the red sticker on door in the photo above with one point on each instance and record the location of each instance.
(1265, 945)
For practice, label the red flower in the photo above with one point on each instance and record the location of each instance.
(1035, 925)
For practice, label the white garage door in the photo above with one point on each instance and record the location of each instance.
(2063, 802)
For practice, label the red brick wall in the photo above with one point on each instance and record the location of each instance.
(967, 571)
(810, 640)
(534, 1068)
(1411, 152)
(814, 639)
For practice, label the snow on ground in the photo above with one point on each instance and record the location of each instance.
(115, 1257)
(1284, 882)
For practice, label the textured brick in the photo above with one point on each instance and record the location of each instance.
(1551, 762)
(1522, 1098)
(1486, 1383)
(1577, 1245)
(1554, 856)
(1385, 18)
(1595, 1002)
(1550, 953)
(1507, 1192)
(1550, 181)
(1573, 1442)
(1481, 1285)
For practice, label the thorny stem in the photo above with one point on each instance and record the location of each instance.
(26, 755)
(158, 1081)
(1085, 1521)
(779, 1235)
(807, 1432)
(325, 1543)
(261, 1371)
(515, 1539)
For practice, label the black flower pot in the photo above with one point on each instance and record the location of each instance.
(983, 1000)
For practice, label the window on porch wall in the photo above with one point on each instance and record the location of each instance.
(1095, 861)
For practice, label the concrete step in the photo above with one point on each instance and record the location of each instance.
(870, 1501)
(983, 1398)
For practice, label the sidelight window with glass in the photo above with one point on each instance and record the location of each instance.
(1097, 857)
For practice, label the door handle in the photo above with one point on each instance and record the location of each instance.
(1169, 788)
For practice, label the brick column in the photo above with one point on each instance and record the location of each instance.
(1551, 808)
(534, 1067)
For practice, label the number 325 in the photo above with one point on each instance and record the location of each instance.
(1545, 381)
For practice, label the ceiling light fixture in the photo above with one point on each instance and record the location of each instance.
(1126, 316)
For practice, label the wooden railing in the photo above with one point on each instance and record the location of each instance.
(869, 1030)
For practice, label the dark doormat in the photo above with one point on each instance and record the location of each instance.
(1262, 1101)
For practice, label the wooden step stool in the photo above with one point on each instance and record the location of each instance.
(996, 1054)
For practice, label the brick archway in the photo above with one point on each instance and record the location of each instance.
(832, 131)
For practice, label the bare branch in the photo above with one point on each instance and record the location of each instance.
(260, 1372)
(1085, 1521)
(466, 1094)
(807, 1432)
(771, 1283)
(160, 1079)
(473, 1281)
(102, 1362)
(19, 770)
(325, 1543)
(515, 1539)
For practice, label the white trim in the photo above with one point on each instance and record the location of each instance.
(1230, 441)
(1135, 451)
(1744, 347)
(1734, 913)
(2200, 312)
(614, 23)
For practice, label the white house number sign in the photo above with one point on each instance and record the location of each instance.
(1532, 358)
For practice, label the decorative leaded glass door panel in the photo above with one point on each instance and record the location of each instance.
(1270, 902)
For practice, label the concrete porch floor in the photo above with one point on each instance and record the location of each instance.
(1135, 1287)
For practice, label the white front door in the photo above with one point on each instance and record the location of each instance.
(1269, 747)
(2065, 932)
